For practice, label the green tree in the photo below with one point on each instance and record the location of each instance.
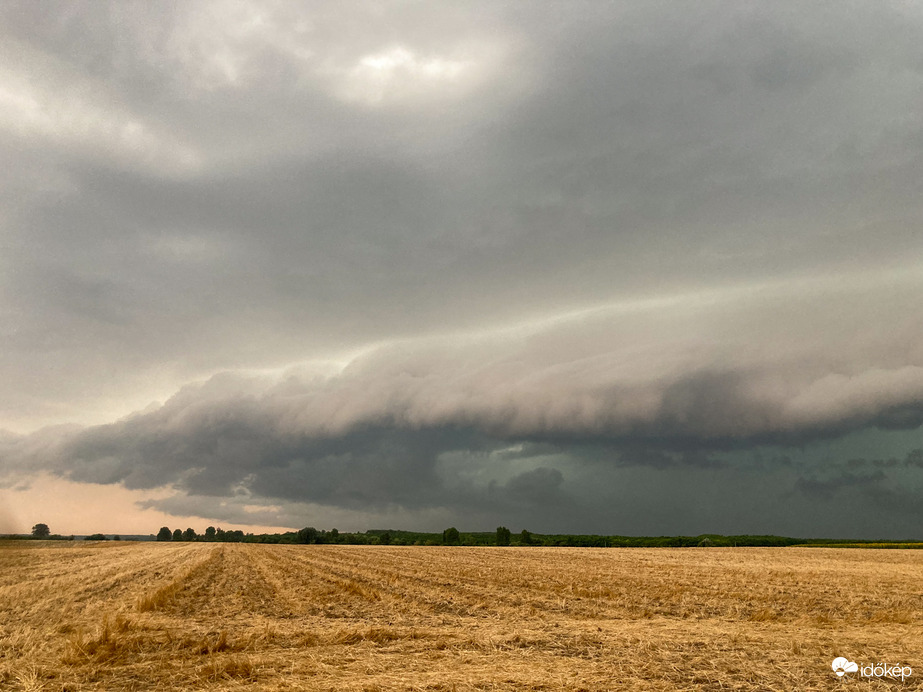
(451, 536)
(178, 535)
(96, 537)
(164, 534)
(189, 535)
(385, 538)
(210, 534)
(307, 535)
(503, 535)
(525, 537)
(41, 531)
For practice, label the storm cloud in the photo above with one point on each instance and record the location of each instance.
(602, 267)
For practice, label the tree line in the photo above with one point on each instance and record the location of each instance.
(41, 532)
(310, 535)
(452, 536)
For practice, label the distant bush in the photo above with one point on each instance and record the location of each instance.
(96, 537)
(503, 535)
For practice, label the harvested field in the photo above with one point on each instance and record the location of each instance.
(140, 616)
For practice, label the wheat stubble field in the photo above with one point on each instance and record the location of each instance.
(138, 616)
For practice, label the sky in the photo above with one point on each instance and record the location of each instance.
(634, 268)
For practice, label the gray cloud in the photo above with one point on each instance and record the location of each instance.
(627, 233)
(445, 424)
(826, 489)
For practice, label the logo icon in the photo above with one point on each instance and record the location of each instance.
(841, 666)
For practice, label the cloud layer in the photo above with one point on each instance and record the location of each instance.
(419, 262)
(486, 423)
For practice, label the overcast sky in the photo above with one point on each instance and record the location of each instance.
(627, 268)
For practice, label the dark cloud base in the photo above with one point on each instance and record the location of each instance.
(224, 452)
